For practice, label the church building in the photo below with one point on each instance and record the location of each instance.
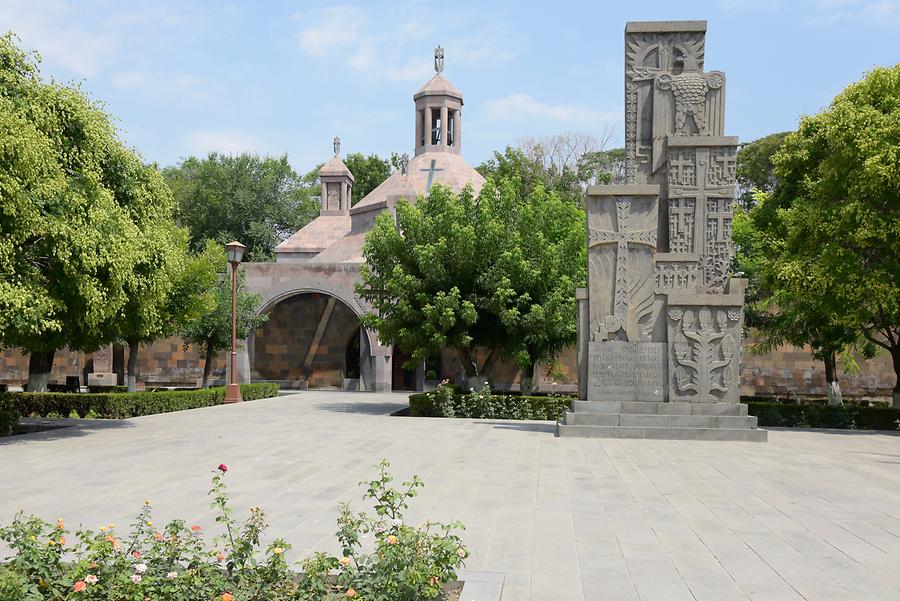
(313, 337)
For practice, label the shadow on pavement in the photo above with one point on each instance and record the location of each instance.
(363, 407)
(524, 427)
(44, 429)
(834, 431)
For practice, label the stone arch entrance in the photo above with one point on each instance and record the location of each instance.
(306, 341)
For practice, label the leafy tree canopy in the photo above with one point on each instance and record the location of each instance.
(368, 173)
(566, 164)
(830, 229)
(755, 169)
(499, 271)
(259, 201)
(75, 205)
(211, 330)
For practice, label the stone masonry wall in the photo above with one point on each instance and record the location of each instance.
(788, 370)
(281, 344)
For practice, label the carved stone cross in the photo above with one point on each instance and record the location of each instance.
(430, 172)
(438, 59)
(622, 237)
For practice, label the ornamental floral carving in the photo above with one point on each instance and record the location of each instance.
(703, 353)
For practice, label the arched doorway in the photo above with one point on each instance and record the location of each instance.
(306, 342)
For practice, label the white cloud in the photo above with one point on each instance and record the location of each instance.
(518, 106)
(766, 5)
(231, 141)
(156, 81)
(388, 47)
(873, 12)
(70, 35)
(866, 11)
(334, 28)
(51, 26)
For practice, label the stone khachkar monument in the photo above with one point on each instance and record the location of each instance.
(659, 346)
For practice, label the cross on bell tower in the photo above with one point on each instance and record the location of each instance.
(438, 112)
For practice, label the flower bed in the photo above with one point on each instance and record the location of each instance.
(445, 401)
(124, 405)
(852, 416)
(176, 563)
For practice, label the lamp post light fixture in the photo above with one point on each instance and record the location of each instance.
(235, 252)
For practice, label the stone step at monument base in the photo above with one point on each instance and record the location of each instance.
(670, 421)
(656, 407)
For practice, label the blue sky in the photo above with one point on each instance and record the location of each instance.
(272, 77)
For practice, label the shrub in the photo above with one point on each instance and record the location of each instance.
(444, 401)
(9, 417)
(850, 416)
(97, 389)
(124, 405)
(176, 563)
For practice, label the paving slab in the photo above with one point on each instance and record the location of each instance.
(810, 515)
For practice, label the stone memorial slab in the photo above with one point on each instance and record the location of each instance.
(102, 379)
(103, 359)
(664, 317)
(627, 371)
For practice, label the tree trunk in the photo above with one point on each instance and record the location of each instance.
(39, 365)
(833, 388)
(133, 347)
(489, 361)
(207, 367)
(895, 355)
(468, 362)
(528, 378)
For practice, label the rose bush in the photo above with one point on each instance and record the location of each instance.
(382, 559)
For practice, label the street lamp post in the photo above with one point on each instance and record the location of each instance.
(235, 252)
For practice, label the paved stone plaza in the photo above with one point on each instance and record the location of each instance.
(810, 515)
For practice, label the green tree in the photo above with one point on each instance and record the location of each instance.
(755, 169)
(259, 201)
(368, 173)
(565, 164)
(211, 332)
(171, 289)
(498, 272)
(75, 204)
(783, 310)
(832, 223)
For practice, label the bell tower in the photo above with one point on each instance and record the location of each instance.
(438, 112)
(337, 183)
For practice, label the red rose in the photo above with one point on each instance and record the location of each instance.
(223, 468)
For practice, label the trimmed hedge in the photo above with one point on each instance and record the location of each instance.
(500, 406)
(100, 389)
(9, 417)
(123, 405)
(814, 415)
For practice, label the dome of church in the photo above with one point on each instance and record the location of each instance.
(335, 166)
(425, 170)
(438, 86)
(337, 235)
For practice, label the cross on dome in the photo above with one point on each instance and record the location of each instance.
(438, 59)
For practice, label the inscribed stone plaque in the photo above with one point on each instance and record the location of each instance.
(102, 358)
(627, 371)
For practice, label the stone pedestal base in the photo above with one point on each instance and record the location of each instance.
(672, 421)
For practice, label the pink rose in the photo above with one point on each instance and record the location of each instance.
(223, 468)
